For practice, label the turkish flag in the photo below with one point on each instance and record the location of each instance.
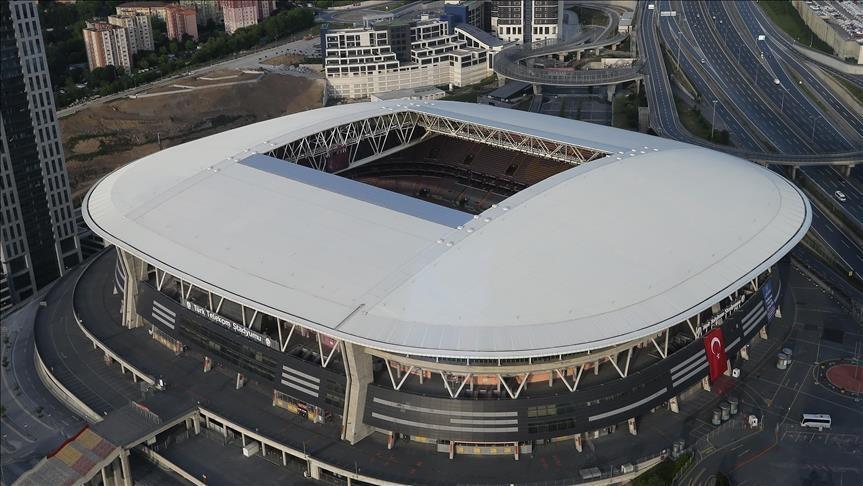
(714, 344)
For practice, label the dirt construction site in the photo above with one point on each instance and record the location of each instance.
(105, 136)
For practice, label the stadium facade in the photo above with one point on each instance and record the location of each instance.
(452, 273)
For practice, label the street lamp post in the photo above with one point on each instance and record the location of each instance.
(713, 120)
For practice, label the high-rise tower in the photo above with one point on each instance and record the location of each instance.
(38, 237)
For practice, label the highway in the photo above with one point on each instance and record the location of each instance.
(847, 250)
(831, 181)
(723, 61)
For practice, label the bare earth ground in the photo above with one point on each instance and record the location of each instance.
(103, 137)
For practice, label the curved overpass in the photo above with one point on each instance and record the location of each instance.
(508, 63)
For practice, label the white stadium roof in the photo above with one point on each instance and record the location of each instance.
(607, 252)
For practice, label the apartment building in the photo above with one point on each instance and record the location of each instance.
(107, 45)
(244, 13)
(148, 8)
(181, 21)
(38, 236)
(360, 62)
(206, 10)
(139, 28)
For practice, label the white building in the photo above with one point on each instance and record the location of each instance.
(399, 55)
(525, 22)
(140, 31)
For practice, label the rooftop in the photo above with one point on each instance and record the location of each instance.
(606, 252)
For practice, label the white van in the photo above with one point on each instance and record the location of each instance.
(818, 421)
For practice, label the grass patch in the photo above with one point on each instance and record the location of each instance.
(390, 6)
(590, 16)
(856, 91)
(624, 110)
(783, 14)
(470, 92)
(697, 125)
(664, 472)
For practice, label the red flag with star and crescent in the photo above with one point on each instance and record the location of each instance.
(714, 344)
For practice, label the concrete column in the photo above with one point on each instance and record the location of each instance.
(632, 429)
(135, 273)
(744, 352)
(673, 405)
(284, 458)
(610, 91)
(537, 89)
(391, 441)
(846, 170)
(196, 425)
(263, 449)
(126, 468)
(360, 375)
(118, 480)
(241, 380)
(105, 476)
(596, 367)
(579, 445)
(500, 80)
(763, 333)
(314, 471)
(705, 383)
(727, 371)
(792, 172)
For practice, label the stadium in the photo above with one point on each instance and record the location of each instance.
(453, 274)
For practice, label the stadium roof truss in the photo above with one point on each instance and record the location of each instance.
(394, 131)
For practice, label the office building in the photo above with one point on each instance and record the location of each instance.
(527, 21)
(39, 239)
(397, 55)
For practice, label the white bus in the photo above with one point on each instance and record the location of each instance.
(819, 421)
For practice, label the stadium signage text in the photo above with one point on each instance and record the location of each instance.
(231, 325)
(722, 314)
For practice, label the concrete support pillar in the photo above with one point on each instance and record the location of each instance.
(537, 89)
(500, 80)
(208, 364)
(792, 172)
(314, 471)
(744, 352)
(284, 458)
(196, 425)
(705, 383)
(638, 86)
(614, 47)
(610, 91)
(263, 449)
(391, 441)
(115, 465)
(596, 434)
(632, 429)
(135, 272)
(126, 468)
(673, 405)
(243, 439)
(596, 367)
(846, 170)
(241, 380)
(727, 371)
(360, 375)
(579, 445)
(763, 333)
(105, 476)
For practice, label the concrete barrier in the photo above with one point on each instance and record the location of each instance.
(61, 392)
